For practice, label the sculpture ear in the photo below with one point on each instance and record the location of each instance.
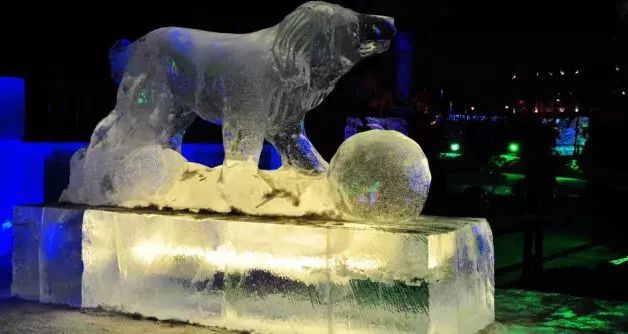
(303, 37)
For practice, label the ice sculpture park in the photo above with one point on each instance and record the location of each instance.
(313, 247)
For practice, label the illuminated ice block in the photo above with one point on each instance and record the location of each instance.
(434, 275)
(25, 282)
(60, 256)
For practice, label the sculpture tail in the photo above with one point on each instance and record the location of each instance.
(119, 54)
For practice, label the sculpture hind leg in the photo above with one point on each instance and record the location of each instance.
(242, 140)
(297, 151)
(145, 114)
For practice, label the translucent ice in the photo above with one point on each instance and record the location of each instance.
(267, 275)
(258, 86)
(381, 174)
(25, 260)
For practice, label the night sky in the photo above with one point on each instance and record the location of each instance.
(457, 39)
(468, 48)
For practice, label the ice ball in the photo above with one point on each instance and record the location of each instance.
(381, 174)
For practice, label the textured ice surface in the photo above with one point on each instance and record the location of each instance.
(25, 260)
(375, 175)
(60, 256)
(381, 174)
(434, 275)
(258, 86)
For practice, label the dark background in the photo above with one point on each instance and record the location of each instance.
(468, 49)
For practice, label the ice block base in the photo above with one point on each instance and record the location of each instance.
(268, 275)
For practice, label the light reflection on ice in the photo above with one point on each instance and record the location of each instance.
(227, 257)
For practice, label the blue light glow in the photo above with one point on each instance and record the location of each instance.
(11, 108)
(404, 65)
(6, 242)
(23, 178)
(7, 225)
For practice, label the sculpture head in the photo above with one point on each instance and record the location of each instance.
(322, 41)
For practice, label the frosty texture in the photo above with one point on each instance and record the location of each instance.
(258, 86)
(25, 283)
(381, 174)
(266, 275)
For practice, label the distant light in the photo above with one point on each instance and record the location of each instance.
(506, 107)
(7, 225)
(573, 165)
(623, 92)
(449, 155)
(514, 77)
(454, 147)
(536, 110)
(473, 108)
(577, 109)
(537, 74)
(514, 111)
(617, 68)
(513, 147)
(557, 100)
(551, 74)
(619, 261)
(562, 72)
(561, 109)
(577, 72)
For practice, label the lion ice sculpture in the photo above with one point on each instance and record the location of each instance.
(258, 86)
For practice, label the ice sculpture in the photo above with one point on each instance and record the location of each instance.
(261, 274)
(258, 86)
(381, 174)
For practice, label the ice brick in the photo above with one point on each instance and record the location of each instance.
(60, 257)
(434, 275)
(285, 276)
(26, 222)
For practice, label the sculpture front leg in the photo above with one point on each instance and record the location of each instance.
(297, 151)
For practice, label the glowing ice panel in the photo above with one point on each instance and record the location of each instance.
(283, 276)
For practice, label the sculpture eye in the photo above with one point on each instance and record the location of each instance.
(376, 30)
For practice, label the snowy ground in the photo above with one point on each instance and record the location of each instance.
(516, 312)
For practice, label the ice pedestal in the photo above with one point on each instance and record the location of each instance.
(25, 283)
(434, 275)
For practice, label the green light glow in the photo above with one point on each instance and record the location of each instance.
(534, 312)
(142, 97)
(513, 147)
(617, 262)
(571, 181)
(565, 312)
(502, 190)
(504, 160)
(573, 165)
(375, 187)
(454, 147)
(449, 155)
(513, 177)
(562, 180)
(564, 150)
